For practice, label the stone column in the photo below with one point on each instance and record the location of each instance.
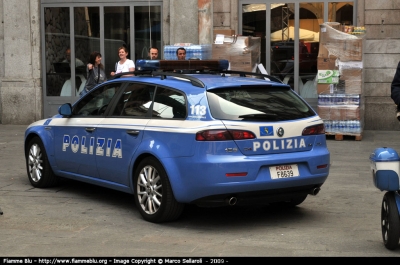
(21, 89)
(184, 22)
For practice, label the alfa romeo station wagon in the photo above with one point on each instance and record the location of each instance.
(185, 132)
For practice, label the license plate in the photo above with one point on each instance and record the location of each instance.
(284, 171)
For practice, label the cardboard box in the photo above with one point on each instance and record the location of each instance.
(346, 50)
(344, 46)
(346, 112)
(326, 63)
(324, 53)
(331, 31)
(243, 54)
(325, 88)
(226, 32)
(328, 76)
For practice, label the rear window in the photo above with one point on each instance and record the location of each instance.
(258, 103)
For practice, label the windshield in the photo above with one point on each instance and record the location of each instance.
(263, 103)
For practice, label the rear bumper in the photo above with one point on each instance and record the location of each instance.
(257, 197)
(195, 181)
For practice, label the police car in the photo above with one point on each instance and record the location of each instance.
(185, 132)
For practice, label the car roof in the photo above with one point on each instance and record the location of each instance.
(209, 80)
(216, 78)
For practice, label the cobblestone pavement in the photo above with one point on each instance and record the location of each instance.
(77, 219)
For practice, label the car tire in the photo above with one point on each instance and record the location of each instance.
(153, 193)
(390, 221)
(39, 171)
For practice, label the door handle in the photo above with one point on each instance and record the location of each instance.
(133, 132)
(90, 129)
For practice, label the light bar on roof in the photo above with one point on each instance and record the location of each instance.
(170, 65)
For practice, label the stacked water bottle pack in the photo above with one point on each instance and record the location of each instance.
(340, 81)
(338, 99)
(343, 127)
(342, 113)
(201, 52)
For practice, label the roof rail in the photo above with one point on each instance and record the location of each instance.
(195, 81)
(142, 72)
(244, 74)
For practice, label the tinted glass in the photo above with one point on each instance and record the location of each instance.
(135, 101)
(169, 103)
(116, 34)
(96, 102)
(57, 41)
(257, 103)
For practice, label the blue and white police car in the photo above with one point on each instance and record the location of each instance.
(199, 134)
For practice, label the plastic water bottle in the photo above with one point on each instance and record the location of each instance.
(351, 126)
(321, 99)
(347, 126)
(340, 99)
(357, 99)
(347, 99)
(343, 127)
(197, 52)
(334, 126)
(357, 127)
(328, 99)
(167, 52)
(327, 124)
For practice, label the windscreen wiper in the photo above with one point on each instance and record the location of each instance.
(263, 116)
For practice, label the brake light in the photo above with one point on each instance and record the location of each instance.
(315, 129)
(224, 135)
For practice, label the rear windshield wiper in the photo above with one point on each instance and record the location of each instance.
(263, 116)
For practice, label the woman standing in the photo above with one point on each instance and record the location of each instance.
(124, 65)
(94, 71)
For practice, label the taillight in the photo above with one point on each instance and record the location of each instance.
(224, 135)
(315, 129)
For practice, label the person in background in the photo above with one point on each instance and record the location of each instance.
(80, 79)
(124, 64)
(181, 53)
(153, 53)
(94, 72)
(395, 90)
(78, 63)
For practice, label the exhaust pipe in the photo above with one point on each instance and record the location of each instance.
(231, 201)
(314, 191)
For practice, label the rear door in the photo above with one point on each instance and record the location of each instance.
(120, 134)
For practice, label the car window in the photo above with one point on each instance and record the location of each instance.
(169, 103)
(135, 100)
(96, 102)
(257, 103)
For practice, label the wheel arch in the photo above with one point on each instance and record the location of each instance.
(170, 168)
(47, 139)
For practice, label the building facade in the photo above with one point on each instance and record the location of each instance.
(35, 35)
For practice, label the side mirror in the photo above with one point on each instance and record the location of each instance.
(65, 110)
